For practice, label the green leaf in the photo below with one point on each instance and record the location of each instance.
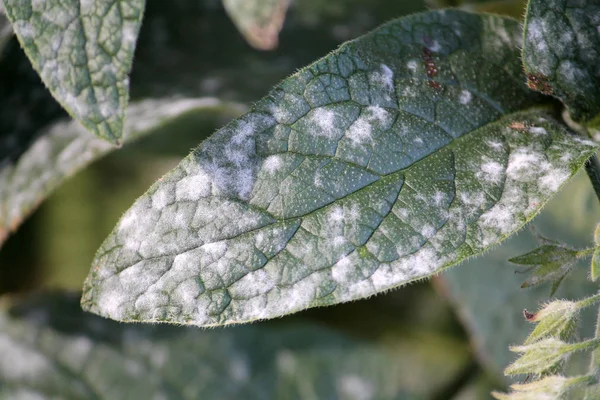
(83, 51)
(385, 162)
(65, 148)
(550, 263)
(258, 20)
(50, 349)
(561, 53)
(497, 323)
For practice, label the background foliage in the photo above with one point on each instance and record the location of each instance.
(442, 326)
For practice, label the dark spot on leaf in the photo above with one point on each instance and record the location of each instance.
(540, 83)
(430, 68)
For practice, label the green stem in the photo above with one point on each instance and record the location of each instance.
(586, 252)
(595, 362)
(589, 301)
(585, 345)
(592, 167)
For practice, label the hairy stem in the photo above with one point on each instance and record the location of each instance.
(595, 362)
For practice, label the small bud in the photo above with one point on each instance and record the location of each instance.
(550, 387)
(540, 357)
(557, 319)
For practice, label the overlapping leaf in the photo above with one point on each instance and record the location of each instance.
(50, 349)
(400, 154)
(65, 147)
(561, 53)
(83, 51)
(259, 20)
(28, 110)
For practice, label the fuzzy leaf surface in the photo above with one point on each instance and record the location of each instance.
(400, 154)
(561, 53)
(258, 20)
(83, 51)
(51, 349)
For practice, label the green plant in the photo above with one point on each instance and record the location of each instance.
(400, 154)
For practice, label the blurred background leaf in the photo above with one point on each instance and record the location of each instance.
(178, 55)
(487, 294)
(511, 8)
(50, 348)
(260, 21)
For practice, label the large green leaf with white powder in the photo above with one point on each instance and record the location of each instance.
(83, 51)
(561, 53)
(400, 154)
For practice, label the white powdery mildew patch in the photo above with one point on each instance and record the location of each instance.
(524, 164)
(435, 46)
(419, 264)
(24, 29)
(361, 131)
(342, 271)
(572, 73)
(229, 158)
(412, 65)
(324, 122)
(538, 130)
(136, 225)
(272, 164)
(494, 144)
(439, 198)
(193, 187)
(384, 78)
(535, 38)
(465, 97)
(553, 179)
(253, 284)
(491, 171)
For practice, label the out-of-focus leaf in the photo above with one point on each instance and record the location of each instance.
(83, 51)
(487, 294)
(5, 30)
(511, 8)
(259, 20)
(561, 53)
(362, 172)
(51, 349)
(65, 147)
